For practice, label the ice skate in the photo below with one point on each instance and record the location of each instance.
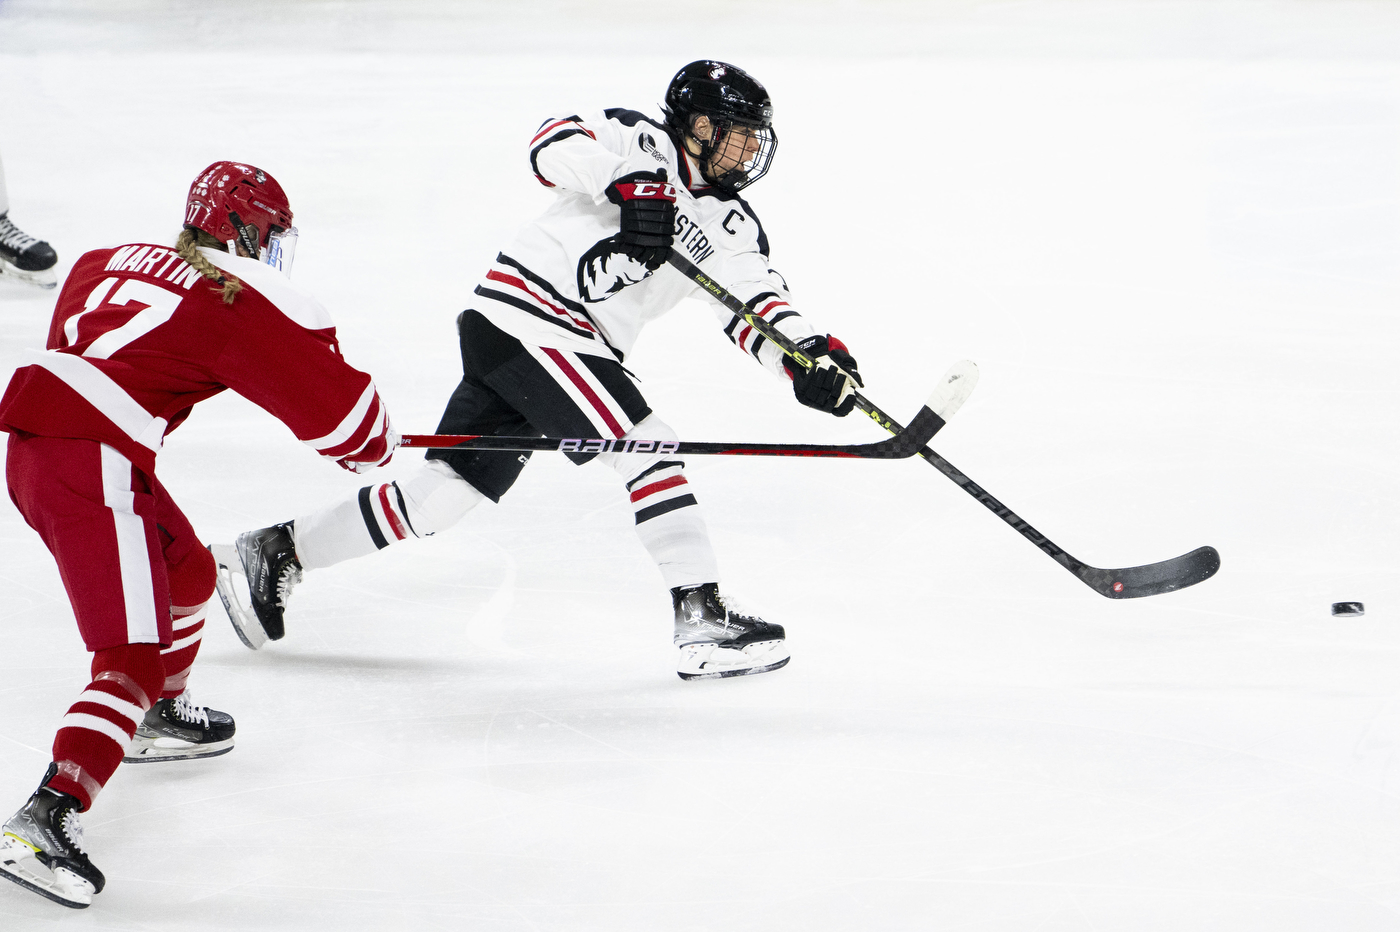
(267, 559)
(25, 258)
(717, 640)
(42, 848)
(181, 729)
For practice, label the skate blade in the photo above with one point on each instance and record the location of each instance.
(244, 620)
(18, 863)
(145, 750)
(712, 662)
(43, 279)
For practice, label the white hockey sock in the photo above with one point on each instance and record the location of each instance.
(668, 517)
(431, 499)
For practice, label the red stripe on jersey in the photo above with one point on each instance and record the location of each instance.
(555, 125)
(394, 524)
(514, 282)
(744, 334)
(655, 487)
(586, 389)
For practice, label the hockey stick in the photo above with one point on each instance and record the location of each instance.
(942, 404)
(1129, 582)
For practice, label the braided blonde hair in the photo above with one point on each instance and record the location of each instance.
(186, 246)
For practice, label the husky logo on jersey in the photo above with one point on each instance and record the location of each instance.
(605, 270)
(648, 145)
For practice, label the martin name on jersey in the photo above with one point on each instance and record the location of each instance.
(565, 283)
(139, 337)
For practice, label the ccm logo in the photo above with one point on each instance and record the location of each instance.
(654, 189)
(618, 446)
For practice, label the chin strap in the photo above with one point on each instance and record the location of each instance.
(250, 247)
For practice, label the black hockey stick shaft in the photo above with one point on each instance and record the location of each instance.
(1124, 583)
(749, 316)
(905, 443)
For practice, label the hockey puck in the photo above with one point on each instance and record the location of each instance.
(1348, 609)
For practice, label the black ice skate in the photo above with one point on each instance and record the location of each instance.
(42, 848)
(24, 258)
(181, 729)
(267, 559)
(717, 640)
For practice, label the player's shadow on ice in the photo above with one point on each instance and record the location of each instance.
(287, 661)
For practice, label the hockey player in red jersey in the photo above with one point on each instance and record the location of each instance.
(543, 346)
(142, 333)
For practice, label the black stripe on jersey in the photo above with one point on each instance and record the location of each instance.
(654, 511)
(562, 134)
(758, 343)
(371, 522)
(733, 325)
(568, 119)
(630, 118)
(403, 508)
(529, 308)
(664, 464)
(525, 273)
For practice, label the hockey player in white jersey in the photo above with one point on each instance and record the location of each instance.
(544, 341)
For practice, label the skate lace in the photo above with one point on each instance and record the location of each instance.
(735, 608)
(186, 709)
(291, 575)
(73, 828)
(13, 237)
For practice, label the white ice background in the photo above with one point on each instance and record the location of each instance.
(1169, 233)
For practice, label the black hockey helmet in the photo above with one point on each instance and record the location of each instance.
(730, 97)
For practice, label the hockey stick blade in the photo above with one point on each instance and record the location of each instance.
(947, 397)
(1134, 582)
(1131, 582)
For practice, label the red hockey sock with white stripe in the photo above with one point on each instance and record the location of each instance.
(188, 625)
(95, 734)
(191, 588)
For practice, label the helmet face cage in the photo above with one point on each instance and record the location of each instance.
(724, 141)
(730, 98)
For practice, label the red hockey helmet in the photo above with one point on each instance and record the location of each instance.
(233, 201)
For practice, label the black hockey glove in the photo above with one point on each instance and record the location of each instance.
(648, 205)
(825, 385)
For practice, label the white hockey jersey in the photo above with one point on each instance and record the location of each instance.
(564, 283)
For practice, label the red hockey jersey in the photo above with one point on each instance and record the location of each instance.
(139, 337)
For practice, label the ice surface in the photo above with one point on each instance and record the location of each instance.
(1168, 233)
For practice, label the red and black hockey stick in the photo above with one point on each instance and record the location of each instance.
(951, 392)
(1128, 582)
